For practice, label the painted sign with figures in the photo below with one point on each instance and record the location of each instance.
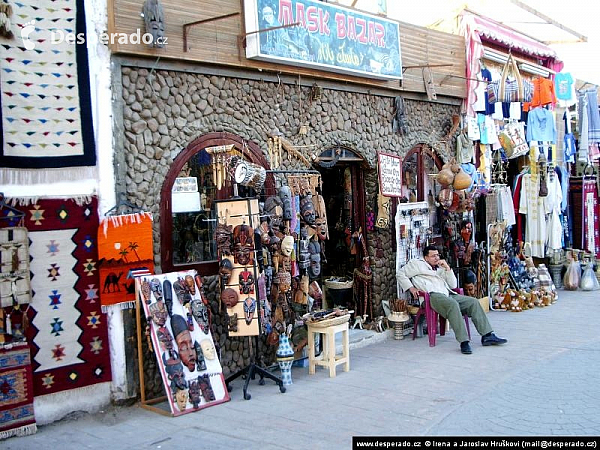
(179, 318)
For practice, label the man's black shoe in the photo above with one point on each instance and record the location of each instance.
(492, 339)
(465, 348)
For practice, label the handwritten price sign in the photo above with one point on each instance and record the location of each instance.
(390, 175)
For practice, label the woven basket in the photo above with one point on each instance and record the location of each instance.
(330, 322)
(333, 284)
(412, 309)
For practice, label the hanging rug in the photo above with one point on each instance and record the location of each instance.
(67, 332)
(16, 391)
(124, 248)
(46, 114)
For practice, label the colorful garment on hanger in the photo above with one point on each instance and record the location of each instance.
(483, 124)
(486, 108)
(584, 207)
(511, 110)
(593, 115)
(583, 127)
(464, 149)
(516, 203)
(506, 210)
(563, 83)
(552, 204)
(541, 126)
(532, 205)
(543, 94)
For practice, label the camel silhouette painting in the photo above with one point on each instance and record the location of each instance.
(112, 281)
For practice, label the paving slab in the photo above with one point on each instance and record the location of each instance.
(544, 382)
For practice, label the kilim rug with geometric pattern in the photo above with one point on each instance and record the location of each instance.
(16, 391)
(45, 116)
(68, 331)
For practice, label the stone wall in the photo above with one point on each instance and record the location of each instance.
(163, 111)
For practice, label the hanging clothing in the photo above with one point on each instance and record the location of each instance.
(511, 110)
(473, 132)
(532, 205)
(464, 149)
(552, 204)
(506, 208)
(582, 127)
(516, 197)
(563, 176)
(486, 108)
(480, 93)
(483, 124)
(593, 115)
(541, 126)
(492, 133)
(570, 150)
(563, 83)
(543, 94)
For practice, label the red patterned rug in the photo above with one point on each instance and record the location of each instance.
(67, 332)
(16, 391)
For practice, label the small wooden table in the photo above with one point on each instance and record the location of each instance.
(328, 357)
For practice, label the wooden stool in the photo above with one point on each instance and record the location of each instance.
(328, 357)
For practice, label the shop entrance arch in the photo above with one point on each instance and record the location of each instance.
(342, 174)
(186, 236)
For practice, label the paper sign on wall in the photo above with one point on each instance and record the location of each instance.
(390, 175)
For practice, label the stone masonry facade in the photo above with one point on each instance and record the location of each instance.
(163, 111)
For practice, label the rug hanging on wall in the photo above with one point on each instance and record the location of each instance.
(67, 332)
(16, 391)
(124, 247)
(46, 120)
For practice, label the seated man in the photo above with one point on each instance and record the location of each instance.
(433, 275)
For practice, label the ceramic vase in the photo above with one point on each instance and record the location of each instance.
(285, 358)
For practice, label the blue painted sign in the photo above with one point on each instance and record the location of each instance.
(326, 37)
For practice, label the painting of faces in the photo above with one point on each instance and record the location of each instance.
(179, 318)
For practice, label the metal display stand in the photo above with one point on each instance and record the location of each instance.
(250, 372)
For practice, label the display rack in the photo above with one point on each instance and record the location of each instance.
(412, 232)
(145, 403)
(238, 212)
(186, 357)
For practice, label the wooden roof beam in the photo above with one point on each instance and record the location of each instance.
(549, 20)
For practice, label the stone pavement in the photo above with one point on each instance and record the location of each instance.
(544, 382)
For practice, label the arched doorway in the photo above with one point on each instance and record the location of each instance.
(186, 237)
(342, 172)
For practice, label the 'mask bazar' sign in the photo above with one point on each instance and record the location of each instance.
(326, 37)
